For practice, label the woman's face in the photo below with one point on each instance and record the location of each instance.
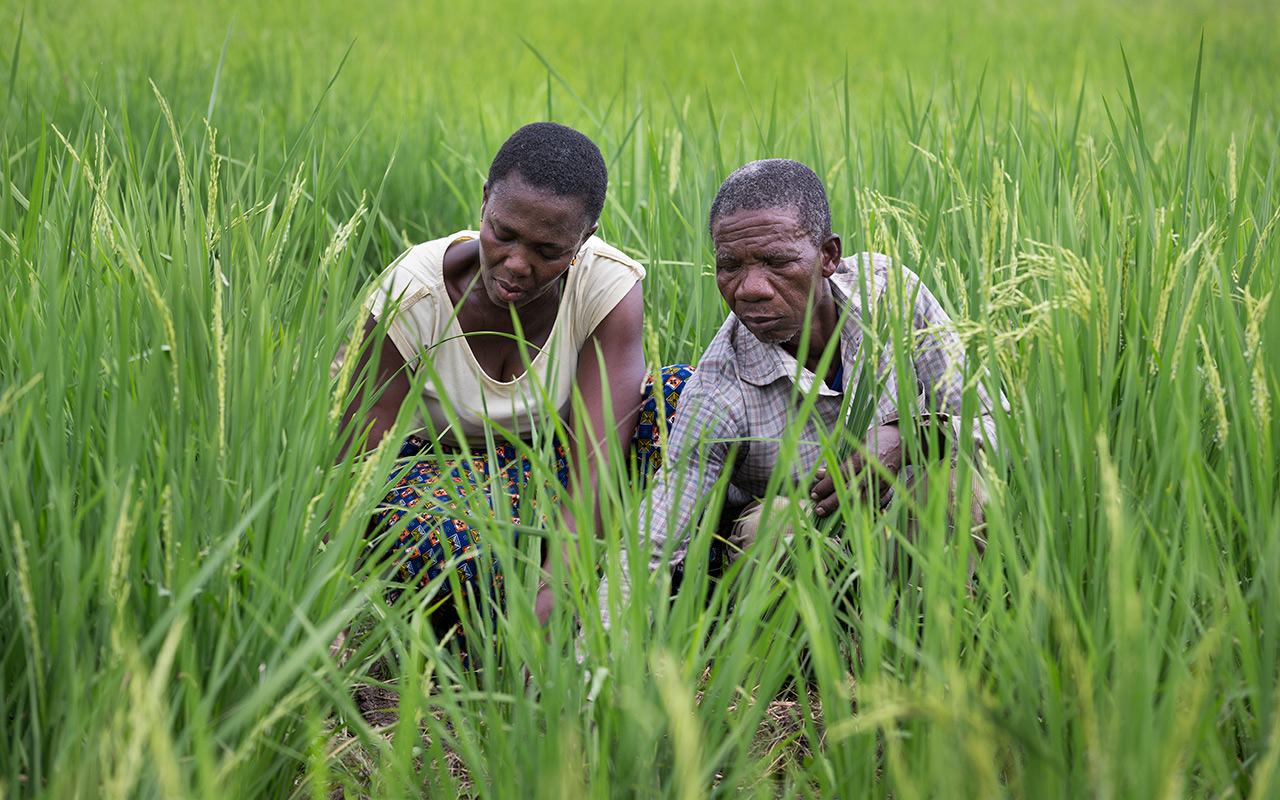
(528, 239)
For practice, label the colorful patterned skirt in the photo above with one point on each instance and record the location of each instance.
(445, 490)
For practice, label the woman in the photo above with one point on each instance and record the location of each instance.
(491, 327)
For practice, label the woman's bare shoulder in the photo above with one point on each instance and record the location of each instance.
(459, 265)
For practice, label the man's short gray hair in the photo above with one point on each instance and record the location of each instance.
(776, 183)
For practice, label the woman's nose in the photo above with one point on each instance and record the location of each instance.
(517, 261)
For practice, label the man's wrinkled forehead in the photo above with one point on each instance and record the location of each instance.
(767, 249)
(781, 220)
(774, 227)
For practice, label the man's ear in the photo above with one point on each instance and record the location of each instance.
(484, 197)
(829, 253)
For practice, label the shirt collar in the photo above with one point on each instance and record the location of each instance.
(761, 364)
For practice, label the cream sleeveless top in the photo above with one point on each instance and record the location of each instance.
(459, 399)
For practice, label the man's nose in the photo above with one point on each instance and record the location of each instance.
(755, 286)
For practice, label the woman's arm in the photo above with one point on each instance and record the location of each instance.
(389, 387)
(616, 345)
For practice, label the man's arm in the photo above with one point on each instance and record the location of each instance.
(616, 345)
(939, 366)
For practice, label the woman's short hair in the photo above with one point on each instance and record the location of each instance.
(558, 159)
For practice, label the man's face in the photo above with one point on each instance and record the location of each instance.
(767, 268)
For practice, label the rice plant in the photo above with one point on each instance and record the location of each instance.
(191, 213)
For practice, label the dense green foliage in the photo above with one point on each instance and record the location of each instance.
(1090, 187)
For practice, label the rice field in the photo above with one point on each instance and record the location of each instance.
(195, 196)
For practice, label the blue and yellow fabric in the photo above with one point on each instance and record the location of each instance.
(442, 492)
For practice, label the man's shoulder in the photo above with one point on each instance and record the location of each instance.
(855, 270)
(859, 266)
(721, 355)
(878, 266)
(858, 262)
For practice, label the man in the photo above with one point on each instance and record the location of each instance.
(793, 300)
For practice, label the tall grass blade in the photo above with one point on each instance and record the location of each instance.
(217, 72)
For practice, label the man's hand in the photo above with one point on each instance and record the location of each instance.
(885, 443)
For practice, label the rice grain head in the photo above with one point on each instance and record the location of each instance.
(184, 180)
(166, 528)
(103, 235)
(295, 193)
(342, 238)
(1217, 394)
(1255, 311)
(354, 344)
(211, 207)
(28, 605)
(118, 582)
(1193, 303)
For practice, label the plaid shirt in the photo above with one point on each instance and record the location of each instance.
(741, 407)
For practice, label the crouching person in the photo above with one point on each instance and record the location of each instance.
(793, 299)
